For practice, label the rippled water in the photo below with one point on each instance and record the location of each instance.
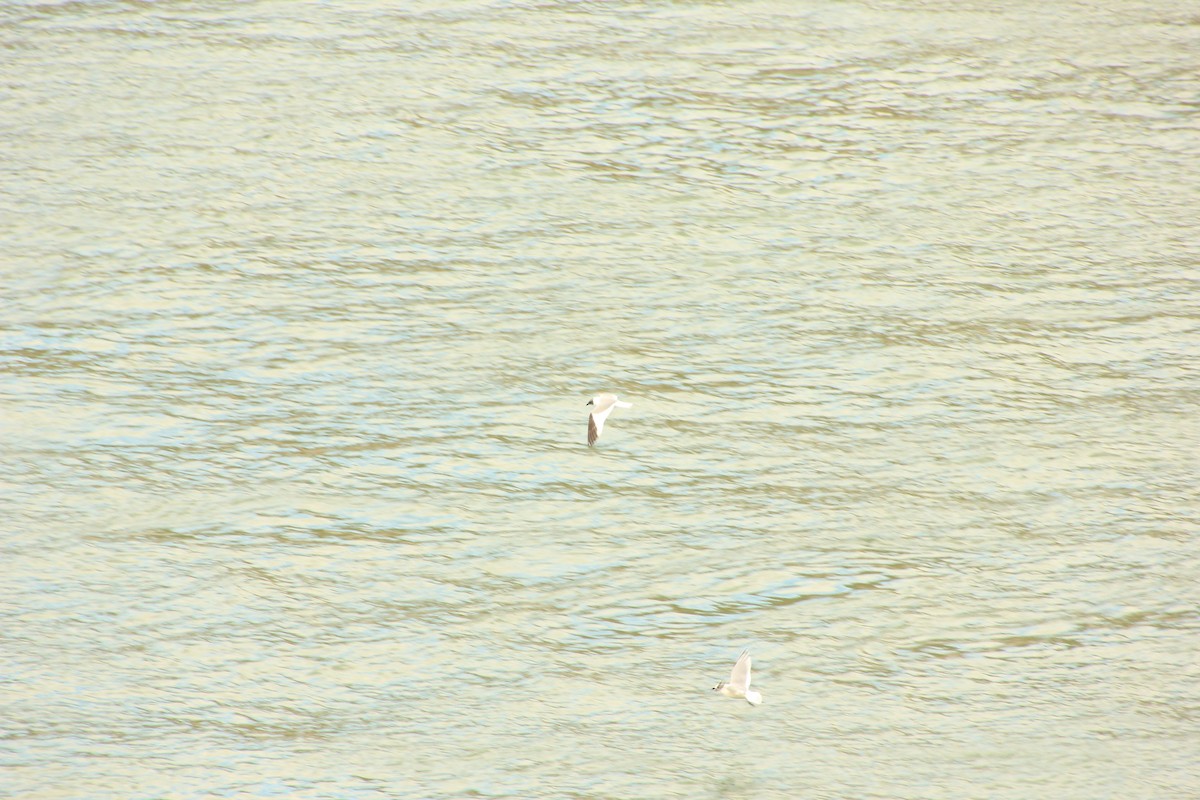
(302, 304)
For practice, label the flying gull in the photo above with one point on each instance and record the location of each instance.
(603, 404)
(738, 684)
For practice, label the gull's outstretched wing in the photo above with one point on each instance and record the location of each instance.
(740, 676)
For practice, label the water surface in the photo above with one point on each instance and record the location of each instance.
(302, 304)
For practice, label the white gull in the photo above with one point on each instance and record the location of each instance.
(602, 404)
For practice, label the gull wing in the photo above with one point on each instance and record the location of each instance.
(740, 676)
(593, 429)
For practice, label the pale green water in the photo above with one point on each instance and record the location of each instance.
(302, 304)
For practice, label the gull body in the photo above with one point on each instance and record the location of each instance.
(602, 406)
(738, 684)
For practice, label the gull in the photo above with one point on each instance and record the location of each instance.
(738, 684)
(603, 406)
